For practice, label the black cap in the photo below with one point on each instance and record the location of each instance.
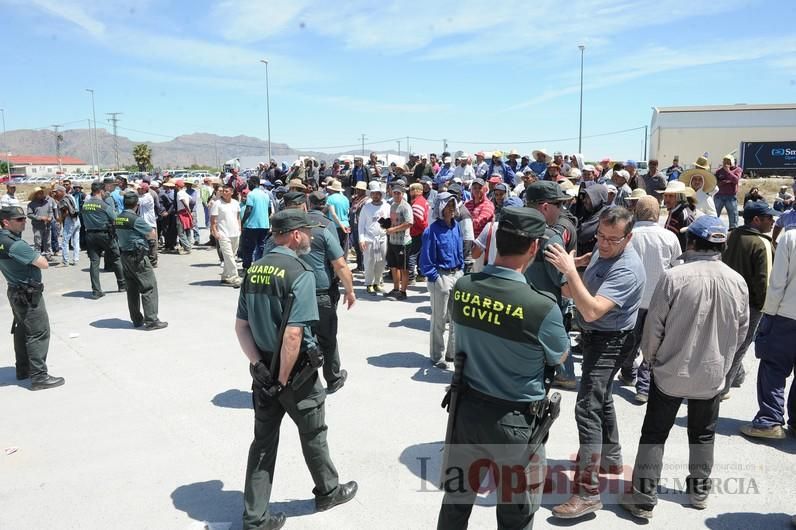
(291, 219)
(317, 198)
(545, 191)
(109, 180)
(294, 198)
(455, 189)
(522, 222)
(12, 212)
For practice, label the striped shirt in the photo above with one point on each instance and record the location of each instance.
(659, 249)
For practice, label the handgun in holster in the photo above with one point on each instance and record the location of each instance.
(450, 402)
(311, 360)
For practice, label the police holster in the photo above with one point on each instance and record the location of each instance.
(546, 414)
(310, 361)
(450, 403)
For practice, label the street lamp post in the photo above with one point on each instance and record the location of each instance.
(96, 145)
(267, 108)
(5, 141)
(581, 47)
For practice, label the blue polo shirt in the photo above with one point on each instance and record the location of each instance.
(261, 209)
(621, 280)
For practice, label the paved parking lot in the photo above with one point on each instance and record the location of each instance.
(151, 429)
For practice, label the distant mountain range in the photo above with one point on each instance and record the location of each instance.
(198, 148)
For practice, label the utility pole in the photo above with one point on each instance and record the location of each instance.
(267, 108)
(363, 144)
(408, 147)
(58, 139)
(399, 147)
(581, 47)
(5, 142)
(444, 144)
(645, 143)
(114, 120)
(215, 146)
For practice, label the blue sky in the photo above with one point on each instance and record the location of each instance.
(465, 70)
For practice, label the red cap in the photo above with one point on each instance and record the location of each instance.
(179, 183)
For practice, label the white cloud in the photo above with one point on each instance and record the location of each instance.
(71, 12)
(656, 60)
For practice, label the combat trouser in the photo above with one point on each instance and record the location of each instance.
(491, 436)
(99, 243)
(31, 329)
(142, 287)
(305, 407)
(326, 332)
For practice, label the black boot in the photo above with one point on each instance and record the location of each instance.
(43, 382)
(343, 493)
(274, 522)
(158, 324)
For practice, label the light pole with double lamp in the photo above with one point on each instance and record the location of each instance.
(581, 47)
(267, 108)
(94, 115)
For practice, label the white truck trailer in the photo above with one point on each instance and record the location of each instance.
(690, 132)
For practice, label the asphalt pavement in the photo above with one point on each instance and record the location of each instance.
(152, 429)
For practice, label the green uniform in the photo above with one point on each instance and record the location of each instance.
(98, 218)
(31, 327)
(142, 287)
(509, 331)
(325, 249)
(266, 287)
(541, 273)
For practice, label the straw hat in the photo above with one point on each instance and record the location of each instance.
(707, 176)
(702, 163)
(335, 186)
(636, 194)
(535, 152)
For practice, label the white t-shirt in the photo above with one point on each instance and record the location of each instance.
(488, 235)
(227, 218)
(182, 200)
(146, 209)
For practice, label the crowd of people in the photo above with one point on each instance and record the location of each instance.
(515, 250)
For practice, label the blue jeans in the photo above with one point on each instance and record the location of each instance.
(774, 347)
(71, 235)
(252, 245)
(731, 203)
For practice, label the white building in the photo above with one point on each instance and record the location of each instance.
(717, 130)
(41, 166)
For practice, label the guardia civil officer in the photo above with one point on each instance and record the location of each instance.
(21, 266)
(277, 279)
(509, 332)
(98, 218)
(328, 262)
(142, 287)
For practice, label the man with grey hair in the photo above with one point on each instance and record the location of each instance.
(607, 298)
(68, 215)
(659, 249)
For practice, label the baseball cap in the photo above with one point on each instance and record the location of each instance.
(291, 219)
(588, 167)
(317, 198)
(709, 228)
(544, 191)
(12, 212)
(501, 187)
(294, 198)
(631, 163)
(759, 207)
(521, 221)
(495, 179)
(512, 202)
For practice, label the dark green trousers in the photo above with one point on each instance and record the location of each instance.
(306, 408)
(326, 331)
(31, 334)
(97, 244)
(488, 438)
(142, 288)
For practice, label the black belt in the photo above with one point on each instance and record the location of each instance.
(97, 230)
(607, 334)
(133, 252)
(521, 406)
(446, 271)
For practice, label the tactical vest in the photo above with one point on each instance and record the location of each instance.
(129, 239)
(274, 276)
(95, 214)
